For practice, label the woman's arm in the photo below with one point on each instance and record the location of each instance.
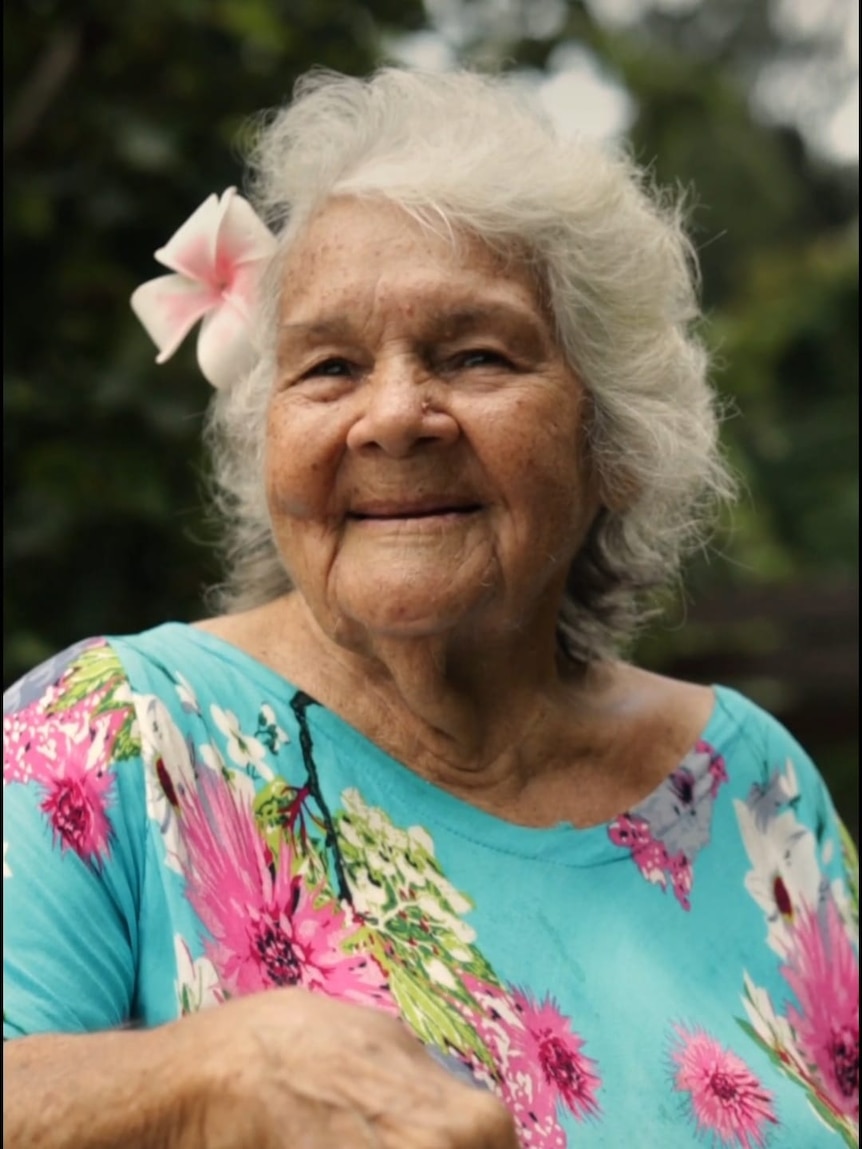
(92, 1091)
(274, 1070)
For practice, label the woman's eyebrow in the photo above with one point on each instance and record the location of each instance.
(517, 324)
(317, 330)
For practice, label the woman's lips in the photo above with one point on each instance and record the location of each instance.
(385, 511)
(392, 512)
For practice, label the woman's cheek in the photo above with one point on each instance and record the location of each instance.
(302, 453)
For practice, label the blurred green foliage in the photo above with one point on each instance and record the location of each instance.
(120, 119)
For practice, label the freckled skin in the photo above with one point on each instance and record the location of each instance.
(429, 485)
(410, 367)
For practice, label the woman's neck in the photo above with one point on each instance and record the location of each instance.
(504, 725)
(466, 714)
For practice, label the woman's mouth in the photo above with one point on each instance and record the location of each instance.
(395, 512)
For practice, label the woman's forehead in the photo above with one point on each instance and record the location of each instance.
(356, 250)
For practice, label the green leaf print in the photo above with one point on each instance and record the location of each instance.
(413, 924)
(850, 858)
(271, 809)
(94, 671)
(432, 1018)
(280, 811)
(848, 1136)
(98, 671)
(126, 743)
(400, 888)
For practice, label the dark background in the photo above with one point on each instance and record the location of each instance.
(122, 117)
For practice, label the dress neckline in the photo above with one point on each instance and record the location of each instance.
(563, 842)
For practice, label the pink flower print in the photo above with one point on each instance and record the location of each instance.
(267, 927)
(76, 808)
(542, 1068)
(650, 854)
(727, 1100)
(630, 832)
(666, 831)
(822, 969)
(717, 768)
(682, 879)
(652, 861)
(68, 756)
(550, 1042)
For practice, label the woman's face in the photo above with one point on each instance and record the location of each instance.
(423, 462)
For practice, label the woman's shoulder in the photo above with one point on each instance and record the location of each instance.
(44, 677)
(752, 742)
(708, 712)
(763, 759)
(113, 671)
(742, 722)
(96, 658)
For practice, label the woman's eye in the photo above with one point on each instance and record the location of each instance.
(482, 357)
(330, 369)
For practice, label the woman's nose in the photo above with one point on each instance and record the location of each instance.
(401, 408)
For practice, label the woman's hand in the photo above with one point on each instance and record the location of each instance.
(278, 1070)
(287, 1069)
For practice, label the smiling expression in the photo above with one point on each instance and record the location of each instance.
(424, 459)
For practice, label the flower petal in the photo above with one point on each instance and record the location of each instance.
(225, 351)
(191, 249)
(169, 307)
(242, 237)
(243, 291)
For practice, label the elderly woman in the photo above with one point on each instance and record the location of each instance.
(500, 886)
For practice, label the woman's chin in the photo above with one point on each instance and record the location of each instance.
(415, 608)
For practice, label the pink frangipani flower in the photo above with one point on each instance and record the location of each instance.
(268, 926)
(218, 256)
(822, 969)
(727, 1100)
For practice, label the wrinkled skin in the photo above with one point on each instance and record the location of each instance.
(278, 1070)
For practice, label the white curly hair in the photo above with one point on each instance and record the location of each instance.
(472, 153)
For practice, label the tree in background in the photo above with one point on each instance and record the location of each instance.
(122, 118)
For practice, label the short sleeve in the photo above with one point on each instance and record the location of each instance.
(807, 794)
(73, 845)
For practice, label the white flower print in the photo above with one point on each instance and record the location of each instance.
(399, 866)
(197, 983)
(243, 749)
(785, 874)
(185, 691)
(845, 907)
(210, 757)
(764, 802)
(772, 1029)
(269, 731)
(369, 897)
(439, 974)
(170, 773)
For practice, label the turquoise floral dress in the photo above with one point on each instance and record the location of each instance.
(183, 826)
